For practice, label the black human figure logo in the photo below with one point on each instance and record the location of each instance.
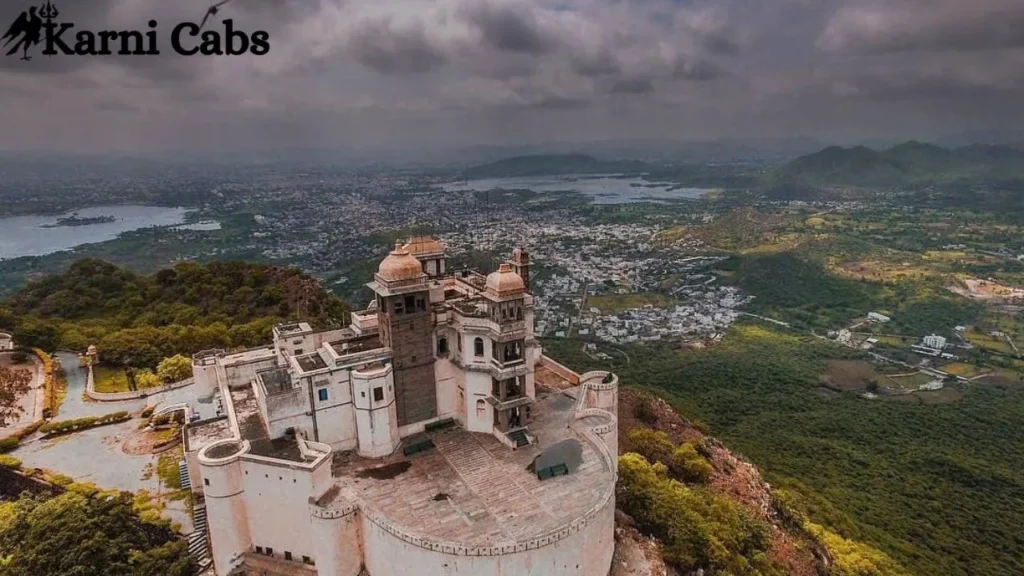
(29, 26)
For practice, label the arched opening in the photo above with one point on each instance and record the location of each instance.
(481, 408)
(478, 347)
(442, 346)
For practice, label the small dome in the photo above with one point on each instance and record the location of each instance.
(399, 265)
(505, 282)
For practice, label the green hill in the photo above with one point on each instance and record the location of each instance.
(553, 164)
(909, 163)
(136, 319)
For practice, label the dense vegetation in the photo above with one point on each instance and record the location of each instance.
(83, 532)
(138, 320)
(796, 289)
(935, 486)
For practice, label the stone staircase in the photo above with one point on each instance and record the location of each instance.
(198, 547)
(520, 437)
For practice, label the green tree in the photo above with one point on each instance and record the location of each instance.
(175, 368)
(14, 383)
(83, 533)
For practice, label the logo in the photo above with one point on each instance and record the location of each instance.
(38, 25)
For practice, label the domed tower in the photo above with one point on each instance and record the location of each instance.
(406, 327)
(512, 383)
(520, 264)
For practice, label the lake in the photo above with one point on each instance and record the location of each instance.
(25, 235)
(601, 189)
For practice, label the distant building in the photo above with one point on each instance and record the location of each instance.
(876, 317)
(6, 342)
(935, 341)
(843, 336)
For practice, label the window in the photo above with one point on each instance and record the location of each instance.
(378, 394)
(398, 307)
(287, 555)
(307, 560)
(460, 342)
(206, 481)
(442, 346)
(478, 347)
(298, 351)
(421, 304)
(270, 551)
(259, 549)
(323, 394)
(410, 302)
(481, 407)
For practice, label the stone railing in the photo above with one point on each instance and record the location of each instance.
(90, 390)
(569, 375)
(605, 428)
(333, 513)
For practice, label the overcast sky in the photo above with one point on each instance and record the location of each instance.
(428, 73)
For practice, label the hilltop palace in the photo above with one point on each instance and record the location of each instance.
(429, 437)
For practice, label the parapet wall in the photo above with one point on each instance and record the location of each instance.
(569, 375)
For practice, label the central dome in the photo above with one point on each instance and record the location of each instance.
(505, 282)
(399, 265)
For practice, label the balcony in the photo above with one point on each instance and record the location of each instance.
(501, 365)
(509, 403)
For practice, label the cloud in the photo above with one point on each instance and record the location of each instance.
(875, 26)
(355, 72)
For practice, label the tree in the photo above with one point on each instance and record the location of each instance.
(175, 368)
(83, 533)
(14, 383)
(146, 379)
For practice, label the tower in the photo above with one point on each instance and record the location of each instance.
(406, 327)
(520, 263)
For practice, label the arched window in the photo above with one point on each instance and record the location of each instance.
(478, 347)
(481, 407)
(442, 346)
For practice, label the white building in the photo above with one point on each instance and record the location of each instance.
(934, 341)
(876, 317)
(6, 342)
(414, 441)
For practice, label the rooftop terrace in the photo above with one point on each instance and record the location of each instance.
(474, 490)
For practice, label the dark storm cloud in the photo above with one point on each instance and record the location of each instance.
(508, 28)
(926, 25)
(355, 72)
(383, 46)
(637, 86)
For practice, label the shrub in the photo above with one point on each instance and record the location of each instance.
(689, 466)
(9, 462)
(654, 445)
(66, 426)
(147, 411)
(8, 444)
(643, 410)
(19, 357)
(175, 368)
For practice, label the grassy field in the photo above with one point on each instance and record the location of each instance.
(964, 369)
(109, 379)
(989, 342)
(617, 303)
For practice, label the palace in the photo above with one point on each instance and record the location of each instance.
(430, 437)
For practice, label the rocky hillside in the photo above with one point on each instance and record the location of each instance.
(731, 476)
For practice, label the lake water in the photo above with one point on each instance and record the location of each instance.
(602, 189)
(25, 235)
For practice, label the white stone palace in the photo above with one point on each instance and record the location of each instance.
(429, 437)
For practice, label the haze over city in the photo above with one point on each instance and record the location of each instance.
(413, 75)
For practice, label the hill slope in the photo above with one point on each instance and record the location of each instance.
(139, 319)
(909, 163)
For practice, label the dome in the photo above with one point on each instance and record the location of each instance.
(425, 246)
(505, 282)
(399, 265)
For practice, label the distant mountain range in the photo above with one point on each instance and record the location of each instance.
(908, 163)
